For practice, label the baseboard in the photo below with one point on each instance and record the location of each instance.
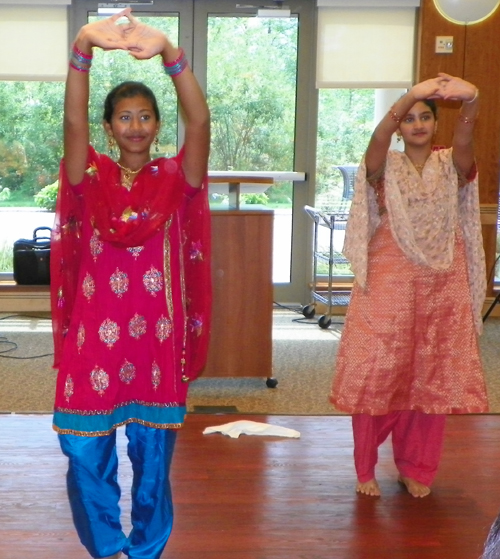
(24, 298)
(36, 298)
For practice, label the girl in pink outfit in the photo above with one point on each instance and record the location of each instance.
(130, 282)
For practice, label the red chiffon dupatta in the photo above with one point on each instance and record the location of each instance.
(128, 221)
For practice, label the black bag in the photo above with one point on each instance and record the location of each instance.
(32, 259)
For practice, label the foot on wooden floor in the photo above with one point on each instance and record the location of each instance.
(370, 488)
(414, 487)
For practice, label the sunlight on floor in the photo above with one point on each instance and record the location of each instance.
(20, 324)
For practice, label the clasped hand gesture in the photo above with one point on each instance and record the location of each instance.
(445, 87)
(140, 40)
(457, 89)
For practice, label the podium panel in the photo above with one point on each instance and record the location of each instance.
(241, 338)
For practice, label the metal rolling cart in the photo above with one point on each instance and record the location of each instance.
(329, 296)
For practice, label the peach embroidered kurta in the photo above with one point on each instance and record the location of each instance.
(410, 337)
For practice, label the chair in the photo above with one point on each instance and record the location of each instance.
(349, 173)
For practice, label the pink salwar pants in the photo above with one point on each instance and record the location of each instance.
(417, 441)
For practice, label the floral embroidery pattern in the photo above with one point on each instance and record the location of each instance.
(195, 251)
(127, 372)
(80, 336)
(92, 170)
(135, 251)
(153, 281)
(69, 388)
(88, 286)
(99, 379)
(128, 215)
(119, 283)
(155, 375)
(109, 332)
(96, 245)
(137, 326)
(163, 328)
(196, 324)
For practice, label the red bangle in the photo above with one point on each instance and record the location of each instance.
(182, 54)
(78, 52)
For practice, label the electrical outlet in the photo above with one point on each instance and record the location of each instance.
(444, 45)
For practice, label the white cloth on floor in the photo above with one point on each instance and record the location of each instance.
(245, 427)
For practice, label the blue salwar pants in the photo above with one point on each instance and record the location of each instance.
(94, 492)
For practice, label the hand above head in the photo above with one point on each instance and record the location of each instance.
(428, 89)
(457, 89)
(143, 42)
(105, 33)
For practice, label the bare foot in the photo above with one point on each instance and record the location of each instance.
(414, 488)
(370, 488)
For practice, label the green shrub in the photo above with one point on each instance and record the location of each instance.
(6, 264)
(47, 197)
(255, 198)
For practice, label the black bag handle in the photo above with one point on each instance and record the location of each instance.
(41, 229)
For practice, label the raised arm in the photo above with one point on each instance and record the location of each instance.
(144, 42)
(196, 117)
(106, 34)
(381, 138)
(463, 145)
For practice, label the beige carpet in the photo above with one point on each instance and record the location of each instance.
(303, 356)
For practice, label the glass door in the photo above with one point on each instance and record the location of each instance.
(253, 65)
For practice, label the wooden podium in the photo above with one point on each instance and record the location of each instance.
(241, 338)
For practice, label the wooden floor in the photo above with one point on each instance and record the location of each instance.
(267, 497)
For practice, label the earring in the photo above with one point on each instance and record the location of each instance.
(157, 142)
(398, 138)
(111, 145)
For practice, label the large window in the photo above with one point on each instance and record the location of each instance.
(258, 73)
(251, 69)
(360, 46)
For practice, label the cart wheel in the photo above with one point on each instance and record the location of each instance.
(324, 321)
(271, 382)
(308, 311)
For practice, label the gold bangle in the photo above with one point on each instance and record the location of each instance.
(394, 115)
(466, 119)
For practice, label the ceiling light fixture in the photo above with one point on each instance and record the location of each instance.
(466, 12)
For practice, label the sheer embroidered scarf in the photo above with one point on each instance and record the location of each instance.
(128, 222)
(423, 213)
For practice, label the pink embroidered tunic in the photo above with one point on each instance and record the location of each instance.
(410, 335)
(126, 320)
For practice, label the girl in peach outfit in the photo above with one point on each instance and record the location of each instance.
(409, 351)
